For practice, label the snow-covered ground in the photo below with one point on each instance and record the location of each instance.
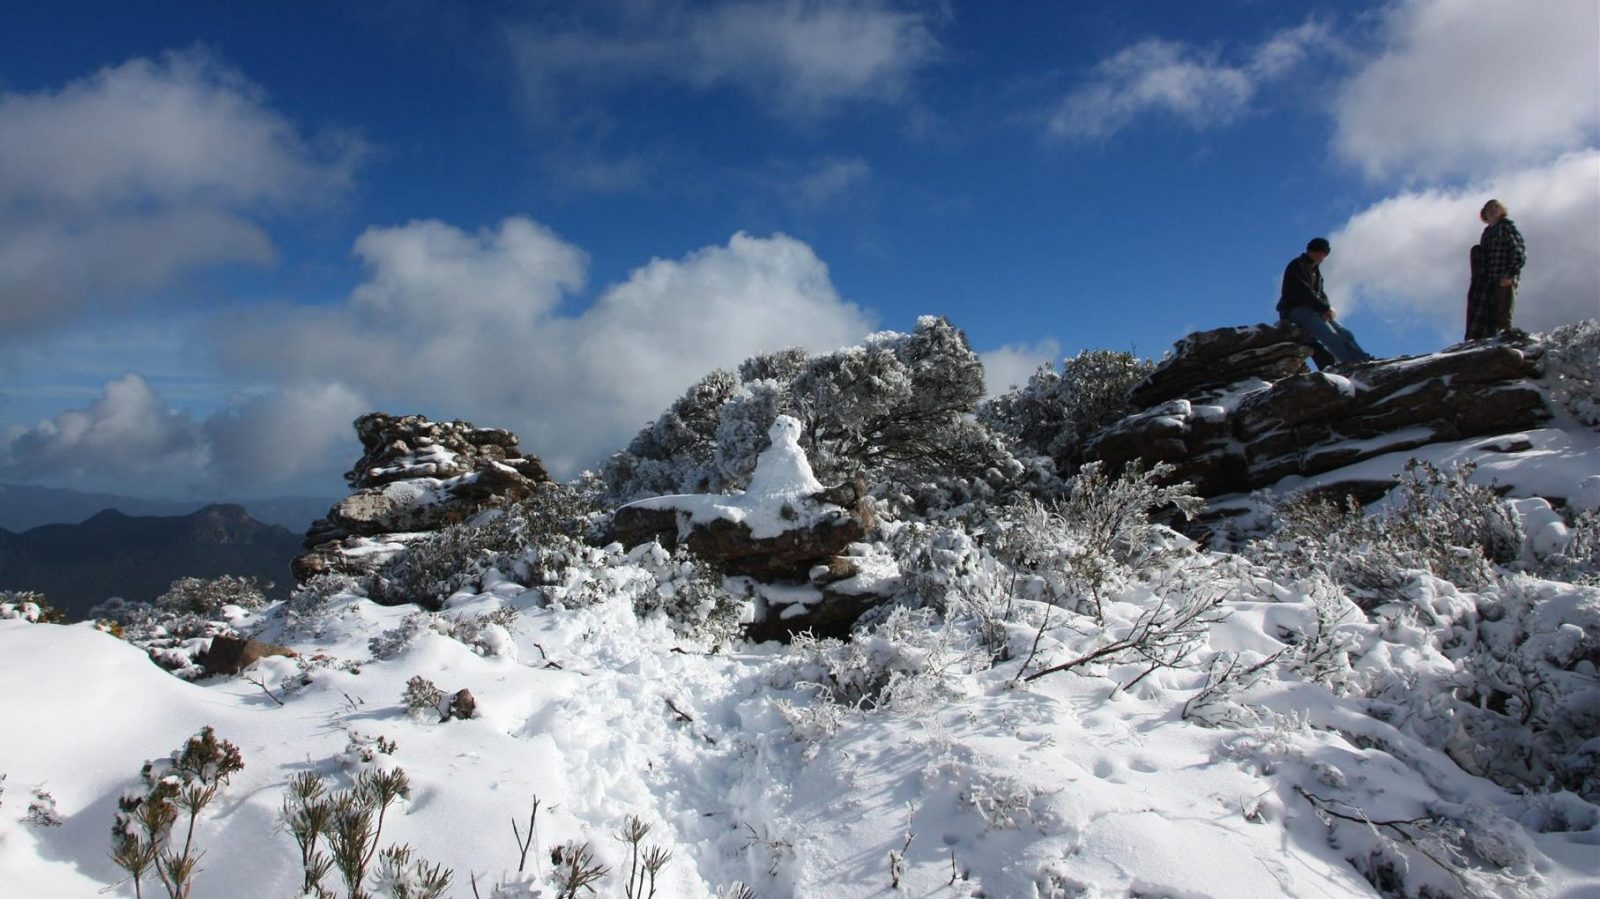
(959, 779)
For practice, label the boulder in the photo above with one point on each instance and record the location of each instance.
(231, 655)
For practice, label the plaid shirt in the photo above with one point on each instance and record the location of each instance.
(1503, 251)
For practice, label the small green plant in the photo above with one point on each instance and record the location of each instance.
(185, 783)
(422, 697)
(350, 824)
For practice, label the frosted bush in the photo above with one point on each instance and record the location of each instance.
(1440, 522)
(1055, 413)
(208, 597)
(1572, 369)
(689, 592)
(26, 605)
(905, 660)
(42, 810)
(307, 609)
(174, 640)
(897, 409)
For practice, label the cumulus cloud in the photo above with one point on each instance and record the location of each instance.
(1472, 87)
(273, 438)
(476, 325)
(1013, 364)
(1192, 83)
(119, 181)
(128, 431)
(803, 58)
(1406, 257)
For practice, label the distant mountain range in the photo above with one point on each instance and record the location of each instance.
(77, 566)
(23, 507)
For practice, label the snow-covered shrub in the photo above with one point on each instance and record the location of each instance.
(1055, 412)
(42, 810)
(905, 660)
(1440, 522)
(488, 634)
(142, 835)
(173, 639)
(394, 641)
(690, 593)
(1572, 368)
(1579, 561)
(945, 569)
(27, 605)
(1528, 701)
(306, 610)
(208, 597)
(432, 568)
(675, 453)
(897, 409)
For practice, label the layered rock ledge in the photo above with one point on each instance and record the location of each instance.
(1236, 409)
(415, 475)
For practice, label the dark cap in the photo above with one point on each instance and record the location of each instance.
(1318, 245)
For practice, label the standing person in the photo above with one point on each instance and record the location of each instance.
(1304, 302)
(1478, 323)
(1503, 253)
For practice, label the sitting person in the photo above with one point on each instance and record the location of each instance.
(1304, 302)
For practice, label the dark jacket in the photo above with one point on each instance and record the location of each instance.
(1504, 252)
(1302, 286)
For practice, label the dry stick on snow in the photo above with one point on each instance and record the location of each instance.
(262, 684)
(688, 719)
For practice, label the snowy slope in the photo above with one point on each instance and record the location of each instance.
(1091, 782)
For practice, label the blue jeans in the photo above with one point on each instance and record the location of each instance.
(1331, 336)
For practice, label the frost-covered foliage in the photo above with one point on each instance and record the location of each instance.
(690, 594)
(143, 836)
(176, 629)
(306, 610)
(27, 605)
(674, 454)
(1440, 522)
(208, 597)
(907, 658)
(1055, 412)
(898, 409)
(525, 540)
(1572, 368)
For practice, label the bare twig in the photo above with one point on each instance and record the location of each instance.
(262, 684)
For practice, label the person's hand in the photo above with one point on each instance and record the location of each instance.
(1327, 316)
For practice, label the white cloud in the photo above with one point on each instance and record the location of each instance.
(491, 342)
(802, 58)
(1194, 84)
(120, 181)
(128, 431)
(831, 179)
(1013, 364)
(1474, 87)
(299, 430)
(1406, 256)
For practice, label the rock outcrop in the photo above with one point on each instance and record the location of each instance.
(1235, 409)
(415, 476)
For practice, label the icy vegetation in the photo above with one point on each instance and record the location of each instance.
(1059, 695)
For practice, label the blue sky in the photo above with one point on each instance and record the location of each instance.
(227, 229)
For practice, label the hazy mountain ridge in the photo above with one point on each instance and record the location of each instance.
(27, 506)
(137, 557)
